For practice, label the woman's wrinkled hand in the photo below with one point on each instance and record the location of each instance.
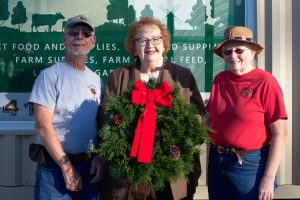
(266, 189)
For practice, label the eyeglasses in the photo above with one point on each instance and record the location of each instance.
(85, 32)
(143, 41)
(237, 51)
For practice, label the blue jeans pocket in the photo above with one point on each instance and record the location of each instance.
(258, 157)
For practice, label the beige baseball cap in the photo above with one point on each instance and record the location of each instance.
(79, 19)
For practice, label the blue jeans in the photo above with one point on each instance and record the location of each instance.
(228, 179)
(50, 184)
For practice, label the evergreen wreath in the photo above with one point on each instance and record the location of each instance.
(178, 135)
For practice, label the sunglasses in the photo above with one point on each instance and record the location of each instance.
(237, 51)
(75, 32)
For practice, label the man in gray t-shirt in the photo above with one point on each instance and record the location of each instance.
(66, 98)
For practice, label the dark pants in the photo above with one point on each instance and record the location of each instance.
(122, 190)
(228, 179)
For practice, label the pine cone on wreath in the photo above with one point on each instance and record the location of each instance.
(174, 152)
(118, 120)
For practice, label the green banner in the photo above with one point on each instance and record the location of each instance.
(31, 39)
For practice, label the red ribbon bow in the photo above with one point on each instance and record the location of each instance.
(144, 134)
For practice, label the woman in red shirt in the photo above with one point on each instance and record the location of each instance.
(248, 119)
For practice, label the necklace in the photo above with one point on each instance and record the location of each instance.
(152, 75)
